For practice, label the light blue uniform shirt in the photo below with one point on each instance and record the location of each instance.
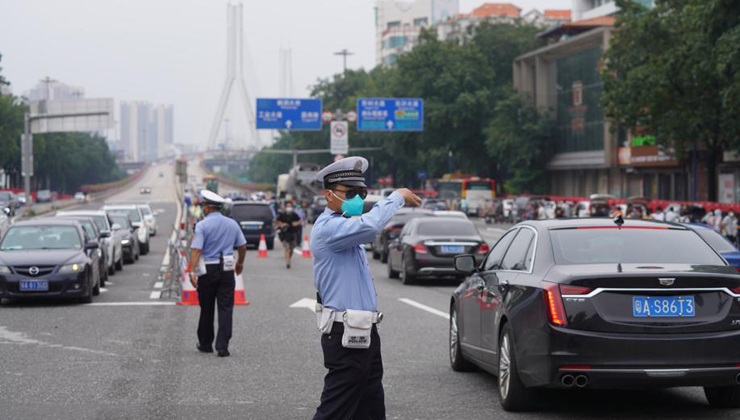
(340, 269)
(217, 235)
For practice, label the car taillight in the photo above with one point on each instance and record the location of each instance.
(393, 230)
(555, 309)
(420, 249)
(483, 248)
(574, 290)
(736, 290)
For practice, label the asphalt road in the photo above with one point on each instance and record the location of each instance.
(128, 356)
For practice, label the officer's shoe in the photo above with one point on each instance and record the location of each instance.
(223, 353)
(203, 349)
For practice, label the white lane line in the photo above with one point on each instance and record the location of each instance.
(425, 308)
(159, 285)
(103, 290)
(305, 303)
(166, 259)
(155, 294)
(13, 337)
(151, 303)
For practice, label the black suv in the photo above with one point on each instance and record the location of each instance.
(255, 219)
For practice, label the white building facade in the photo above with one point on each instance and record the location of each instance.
(399, 23)
(589, 9)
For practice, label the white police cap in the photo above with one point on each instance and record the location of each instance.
(348, 171)
(211, 198)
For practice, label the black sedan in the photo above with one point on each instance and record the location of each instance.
(393, 228)
(426, 247)
(124, 229)
(49, 258)
(590, 303)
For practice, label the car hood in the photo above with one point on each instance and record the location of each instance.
(39, 257)
(732, 258)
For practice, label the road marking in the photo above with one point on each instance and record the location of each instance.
(305, 303)
(103, 290)
(109, 282)
(13, 337)
(150, 303)
(159, 285)
(155, 294)
(425, 308)
(166, 259)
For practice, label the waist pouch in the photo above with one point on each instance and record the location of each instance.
(324, 318)
(357, 327)
(229, 263)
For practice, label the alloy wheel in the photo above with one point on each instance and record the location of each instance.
(504, 369)
(453, 336)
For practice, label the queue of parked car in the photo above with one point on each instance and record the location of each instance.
(72, 254)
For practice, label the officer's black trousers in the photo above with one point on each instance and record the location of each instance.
(353, 388)
(215, 286)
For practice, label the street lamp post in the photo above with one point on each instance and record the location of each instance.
(344, 53)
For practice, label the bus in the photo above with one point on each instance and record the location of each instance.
(211, 183)
(474, 190)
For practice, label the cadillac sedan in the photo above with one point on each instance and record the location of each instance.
(49, 258)
(592, 303)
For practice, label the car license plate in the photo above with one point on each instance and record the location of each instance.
(34, 286)
(452, 249)
(662, 307)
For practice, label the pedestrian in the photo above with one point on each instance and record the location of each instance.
(212, 267)
(671, 215)
(301, 212)
(287, 223)
(346, 298)
(729, 227)
(658, 214)
(717, 220)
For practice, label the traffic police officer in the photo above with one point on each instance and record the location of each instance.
(353, 386)
(212, 268)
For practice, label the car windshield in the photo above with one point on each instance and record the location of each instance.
(101, 222)
(631, 246)
(21, 238)
(251, 212)
(4, 196)
(132, 213)
(146, 210)
(121, 220)
(447, 227)
(715, 240)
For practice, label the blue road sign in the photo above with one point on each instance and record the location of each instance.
(390, 114)
(289, 114)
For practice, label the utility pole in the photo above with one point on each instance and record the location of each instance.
(344, 53)
(48, 81)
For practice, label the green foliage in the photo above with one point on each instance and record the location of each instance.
(461, 84)
(673, 70)
(519, 140)
(62, 161)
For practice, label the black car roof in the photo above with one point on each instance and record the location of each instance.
(48, 222)
(596, 221)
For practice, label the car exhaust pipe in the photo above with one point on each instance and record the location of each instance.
(737, 379)
(568, 381)
(581, 381)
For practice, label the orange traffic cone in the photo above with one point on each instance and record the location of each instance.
(306, 249)
(239, 298)
(262, 248)
(189, 295)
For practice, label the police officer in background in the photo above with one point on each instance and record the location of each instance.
(212, 267)
(346, 295)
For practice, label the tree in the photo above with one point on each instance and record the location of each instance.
(519, 139)
(11, 128)
(672, 71)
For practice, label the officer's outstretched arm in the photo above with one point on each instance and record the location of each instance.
(347, 233)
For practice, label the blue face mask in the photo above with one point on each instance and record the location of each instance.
(351, 207)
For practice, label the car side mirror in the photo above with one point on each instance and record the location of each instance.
(6, 210)
(465, 264)
(115, 226)
(105, 234)
(92, 245)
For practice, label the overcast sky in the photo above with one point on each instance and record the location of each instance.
(174, 51)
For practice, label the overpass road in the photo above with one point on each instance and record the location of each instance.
(131, 356)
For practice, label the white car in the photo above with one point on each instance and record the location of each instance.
(138, 222)
(112, 244)
(450, 213)
(80, 197)
(149, 218)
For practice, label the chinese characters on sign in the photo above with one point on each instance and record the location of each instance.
(289, 114)
(390, 114)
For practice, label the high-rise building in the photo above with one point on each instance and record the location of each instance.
(146, 130)
(589, 9)
(399, 23)
(48, 89)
